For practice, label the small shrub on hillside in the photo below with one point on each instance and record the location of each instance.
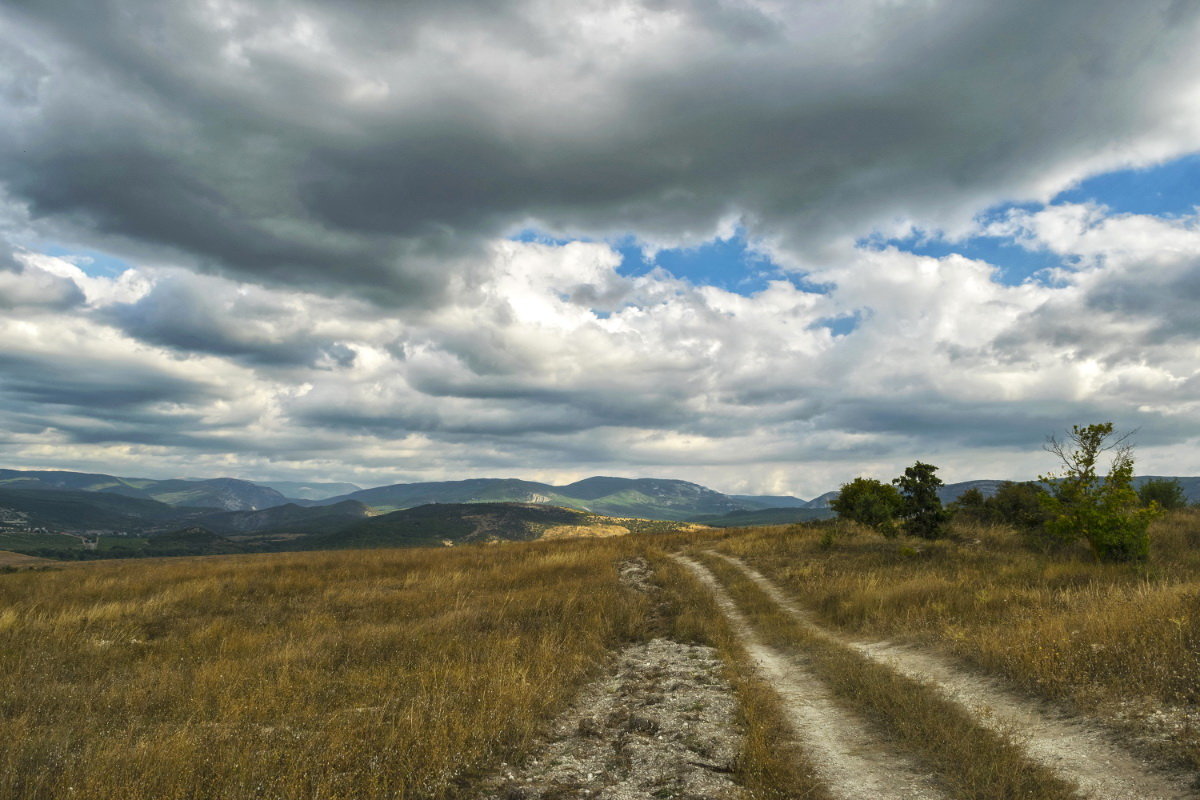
(921, 509)
(1020, 505)
(870, 502)
(1167, 493)
(971, 505)
(1103, 511)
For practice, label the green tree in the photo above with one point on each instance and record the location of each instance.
(869, 502)
(1166, 492)
(921, 508)
(972, 505)
(1020, 505)
(1103, 511)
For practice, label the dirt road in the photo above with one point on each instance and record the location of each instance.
(1070, 747)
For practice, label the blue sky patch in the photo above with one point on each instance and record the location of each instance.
(1015, 264)
(728, 264)
(93, 262)
(1170, 189)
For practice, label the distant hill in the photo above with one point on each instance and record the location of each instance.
(765, 501)
(191, 541)
(77, 511)
(648, 498)
(457, 523)
(823, 501)
(296, 490)
(229, 494)
(289, 518)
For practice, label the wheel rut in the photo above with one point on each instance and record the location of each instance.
(1068, 746)
(852, 761)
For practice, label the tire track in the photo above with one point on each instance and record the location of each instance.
(848, 757)
(1069, 747)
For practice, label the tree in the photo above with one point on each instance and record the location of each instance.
(870, 502)
(1020, 505)
(1103, 511)
(972, 505)
(1166, 492)
(921, 508)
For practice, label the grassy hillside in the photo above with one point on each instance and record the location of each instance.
(1120, 640)
(367, 674)
(766, 516)
(388, 673)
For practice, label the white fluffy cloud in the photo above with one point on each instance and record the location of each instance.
(554, 365)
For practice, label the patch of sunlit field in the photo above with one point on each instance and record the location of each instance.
(357, 674)
(1056, 624)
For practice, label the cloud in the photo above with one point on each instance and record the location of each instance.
(558, 361)
(185, 312)
(25, 286)
(380, 147)
(314, 201)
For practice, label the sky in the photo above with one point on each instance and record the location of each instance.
(764, 246)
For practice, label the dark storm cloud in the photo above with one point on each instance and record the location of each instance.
(182, 313)
(1169, 305)
(237, 134)
(91, 386)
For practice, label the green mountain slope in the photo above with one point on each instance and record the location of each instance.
(76, 510)
(289, 518)
(309, 490)
(648, 498)
(229, 494)
(457, 523)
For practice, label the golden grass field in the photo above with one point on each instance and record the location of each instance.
(410, 673)
(1098, 636)
(383, 673)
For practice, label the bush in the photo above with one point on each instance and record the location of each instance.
(1166, 492)
(870, 502)
(1021, 505)
(972, 505)
(921, 508)
(1104, 512)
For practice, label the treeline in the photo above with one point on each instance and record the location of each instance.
(1078, 503)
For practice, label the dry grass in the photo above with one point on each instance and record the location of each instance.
(363, 674)
(10, 559)
(1057, 625)
(974, 762)
(349, 674)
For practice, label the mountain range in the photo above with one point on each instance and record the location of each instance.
(229, 494)
(74, 501)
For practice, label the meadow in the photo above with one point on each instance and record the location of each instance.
(383, 673)
(412, 673)
(1117, 641)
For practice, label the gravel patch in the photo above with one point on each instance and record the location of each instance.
(661, 726)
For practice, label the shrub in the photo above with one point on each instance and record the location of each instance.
(869, 502)
(1104, 512)
(973, 506)
(1166, 492)
(921, 508)
(1020, 505)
